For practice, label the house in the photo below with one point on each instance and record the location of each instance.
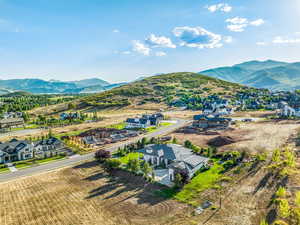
(9, 115)
(11, 123)
(154, 118)
(48, 147)
(206, 122)
(137, 123)
(69, 116)
(15, 150)
(288, 111)
(175, 158)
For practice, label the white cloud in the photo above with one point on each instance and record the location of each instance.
(237, 20)
(257, 23)
(228, 39)
(261, 43)
(238, 24)
(141, 48)
(237, 27)
(116, 31)
(223, 7)
(160, 54)
(159, 41)
(197, 37)
(285, 40)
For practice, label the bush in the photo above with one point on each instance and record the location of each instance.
(112, 163)
(102, 155)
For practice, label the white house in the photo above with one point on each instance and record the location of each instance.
(137, 123)
(288, 111)
(174, 157)
(16, 150)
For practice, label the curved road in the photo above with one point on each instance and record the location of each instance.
(77, 158)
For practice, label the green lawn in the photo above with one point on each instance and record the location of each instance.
(40, 161)
(132, 155)
(153, 129)
(199, 183)
(118, 126)
(4, 169)
(31, 162)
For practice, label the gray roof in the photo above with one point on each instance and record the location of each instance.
(174, 152)
(13, 146)
(11, 120)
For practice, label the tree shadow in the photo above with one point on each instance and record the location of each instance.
(88, 164)
(123, 182)
(263, 182)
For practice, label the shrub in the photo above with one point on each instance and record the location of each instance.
(102, 155)
(112, 163)
(281, 192)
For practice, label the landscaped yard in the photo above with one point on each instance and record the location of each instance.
(118, 126)
(133, 155)
(199, 183)
(153, 129)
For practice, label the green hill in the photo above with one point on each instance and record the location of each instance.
(161, 89)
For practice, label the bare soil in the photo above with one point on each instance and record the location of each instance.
(253, 137)
(85, 194)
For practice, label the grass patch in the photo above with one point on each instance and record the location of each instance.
(133, 155)
(118, 126)
(201, 182)
(46, 160)
(153, 129)
(4, 169)
(24, 164)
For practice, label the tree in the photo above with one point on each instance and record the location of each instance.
(281, 192)
(284, 208)
(188, 144)
(133, 165)
(112, 163)
(297, 199)
(146, 169)
(178, 180)
(102, 155)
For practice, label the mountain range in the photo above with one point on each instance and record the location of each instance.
(38, 86)
(270, 74)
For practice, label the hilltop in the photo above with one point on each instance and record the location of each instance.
(269, 74)
(164, 89)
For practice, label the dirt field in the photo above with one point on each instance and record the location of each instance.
(255, 137)
(86, 195)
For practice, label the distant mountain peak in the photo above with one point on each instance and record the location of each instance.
(271, 74)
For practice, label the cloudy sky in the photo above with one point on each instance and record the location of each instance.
(120, 40)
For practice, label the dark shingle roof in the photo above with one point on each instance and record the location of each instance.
(174, 152)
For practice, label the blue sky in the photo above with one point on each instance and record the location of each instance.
(120, 40)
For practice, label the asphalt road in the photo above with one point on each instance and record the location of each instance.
(4, 177)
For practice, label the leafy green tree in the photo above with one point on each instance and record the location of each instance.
(281, 192)
(178, 180)
(112, 163)
(133, 165)
(146, 169)
(283, 208)
(188, 144)
(174, 140)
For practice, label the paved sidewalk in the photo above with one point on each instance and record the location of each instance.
(11, 167)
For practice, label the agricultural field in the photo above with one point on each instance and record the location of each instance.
(85, 194)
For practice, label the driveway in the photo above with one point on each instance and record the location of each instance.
(162, 176)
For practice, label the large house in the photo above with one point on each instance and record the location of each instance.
(288, 111)
(48, 147)
(174, 157)
(11, 123)
(207, 122)
(15, 150)
(145, 121)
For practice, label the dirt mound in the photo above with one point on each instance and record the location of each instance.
(221, 141)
